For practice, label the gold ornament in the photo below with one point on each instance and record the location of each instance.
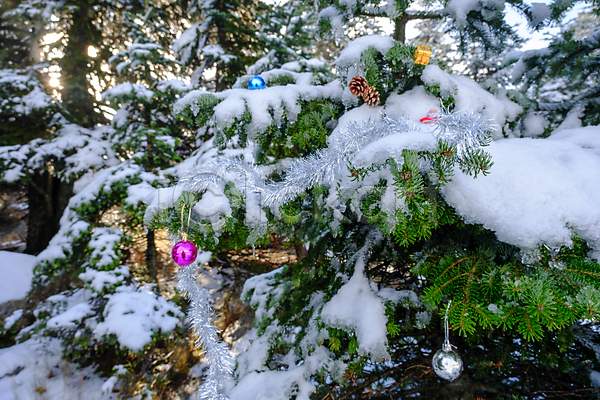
(358, 85)
(422, 54)
(371, 96)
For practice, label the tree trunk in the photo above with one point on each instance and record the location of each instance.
(220, 84)
(34, 43)
(400, 27)
(76, 64)
(219, 87)
(301, 251)
(151, 259)
(48, 197)
(151, 262)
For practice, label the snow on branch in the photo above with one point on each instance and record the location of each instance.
(537, 192)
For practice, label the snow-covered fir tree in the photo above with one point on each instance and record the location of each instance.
(406, 190)
(222, 39)
(395, 228)
(559, 82)
(86, 297)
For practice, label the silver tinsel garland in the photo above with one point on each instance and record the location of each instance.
(466, 131)
(200, 316)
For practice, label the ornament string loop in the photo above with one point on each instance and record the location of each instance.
(182, 232)
(447, 345)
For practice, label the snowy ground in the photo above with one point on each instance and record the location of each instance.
(16, 272)
(34, 369)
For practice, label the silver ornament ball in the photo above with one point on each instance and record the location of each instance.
(447, 364)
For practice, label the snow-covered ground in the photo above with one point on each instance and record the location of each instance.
(35, 370)
(16, 272)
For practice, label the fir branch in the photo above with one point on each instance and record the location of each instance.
(529, 328)
(508, 320)
(589, 94)
(420, 15)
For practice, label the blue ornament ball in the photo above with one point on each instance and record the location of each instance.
(256, 83)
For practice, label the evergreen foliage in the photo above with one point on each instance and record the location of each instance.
(222, 36)
(420, 249)
(287, 30)
(14, 51)
(380, 250)
(479, 24)
(560, 80)
(26, 111)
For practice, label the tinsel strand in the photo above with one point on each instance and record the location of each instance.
(200, 316)
(467, 131)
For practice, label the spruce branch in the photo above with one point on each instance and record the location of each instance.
(589, 95)
(421, 15)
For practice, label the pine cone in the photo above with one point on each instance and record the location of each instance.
(358, 85)
(371, 96)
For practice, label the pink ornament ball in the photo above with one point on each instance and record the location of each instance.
(184, 253)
